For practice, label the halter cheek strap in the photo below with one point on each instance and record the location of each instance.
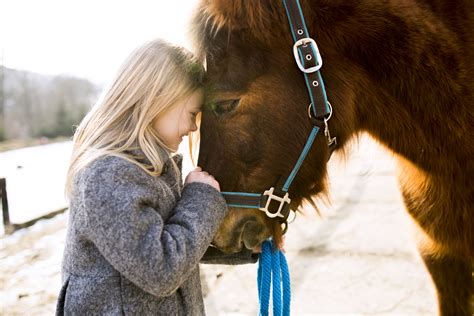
(275, 202)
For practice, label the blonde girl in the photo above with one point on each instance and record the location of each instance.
(136, 233)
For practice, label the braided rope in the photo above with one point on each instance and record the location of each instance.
(276, 282)
(285, 273)
(273, 272)
(264, 277)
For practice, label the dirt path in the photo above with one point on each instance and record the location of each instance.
(30, 268)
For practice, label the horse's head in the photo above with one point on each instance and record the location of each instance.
(255, 122)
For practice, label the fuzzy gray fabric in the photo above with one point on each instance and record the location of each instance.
(133, 243)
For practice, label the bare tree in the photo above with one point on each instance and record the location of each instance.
(37, 105)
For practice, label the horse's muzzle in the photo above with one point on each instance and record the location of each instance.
(241, 229)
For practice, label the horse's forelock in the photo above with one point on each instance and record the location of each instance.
(257, 15)
(264, 19)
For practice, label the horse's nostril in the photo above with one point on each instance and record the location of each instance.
(254, 234)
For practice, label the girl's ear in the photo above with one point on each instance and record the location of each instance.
(258, 15)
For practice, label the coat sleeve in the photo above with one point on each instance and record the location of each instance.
(132, 236)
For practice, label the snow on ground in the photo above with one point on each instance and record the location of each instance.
(358, 258)
(35, 179)
(30, 262)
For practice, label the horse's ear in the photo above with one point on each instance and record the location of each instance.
(258, 15)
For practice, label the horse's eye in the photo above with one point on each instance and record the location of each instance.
(224, 106)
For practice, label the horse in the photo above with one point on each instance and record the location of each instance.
(400, 71)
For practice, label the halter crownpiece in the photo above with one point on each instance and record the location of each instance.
(275, 202)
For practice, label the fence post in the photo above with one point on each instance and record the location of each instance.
(6, 215)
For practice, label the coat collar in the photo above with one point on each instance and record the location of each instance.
(140, 157)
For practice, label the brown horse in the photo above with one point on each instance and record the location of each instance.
(400, 70)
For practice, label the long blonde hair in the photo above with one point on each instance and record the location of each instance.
(152, 79)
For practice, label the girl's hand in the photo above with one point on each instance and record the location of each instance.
(197, 175)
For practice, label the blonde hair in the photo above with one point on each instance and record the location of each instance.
(152, 79)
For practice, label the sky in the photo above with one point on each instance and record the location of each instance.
(87, 38)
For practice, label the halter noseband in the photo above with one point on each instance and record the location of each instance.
(275, 202)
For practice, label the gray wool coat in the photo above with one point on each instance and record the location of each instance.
(134, 241)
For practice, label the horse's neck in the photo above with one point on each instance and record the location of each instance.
(411, 78)
(427, 133)
(454, 14)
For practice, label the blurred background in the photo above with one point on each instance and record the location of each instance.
(56, 58)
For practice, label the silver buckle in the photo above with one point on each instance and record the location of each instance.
(319, 60)
(271, 197)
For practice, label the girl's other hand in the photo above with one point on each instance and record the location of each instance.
(197, 175)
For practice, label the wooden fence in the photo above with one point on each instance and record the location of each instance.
(12, 227)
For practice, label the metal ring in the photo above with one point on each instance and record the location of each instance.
(308, 57)
(325, 119)
(292, 219)
(309, 110)
(300, 32)
(317, 83)
(330, 112)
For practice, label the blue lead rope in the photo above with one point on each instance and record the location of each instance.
(273, 272)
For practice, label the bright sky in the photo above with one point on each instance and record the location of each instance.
(87, 38)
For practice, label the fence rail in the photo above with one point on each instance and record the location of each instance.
(12, 227)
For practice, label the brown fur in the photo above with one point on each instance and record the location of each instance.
(401, 70)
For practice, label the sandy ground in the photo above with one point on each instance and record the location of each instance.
(358, 258)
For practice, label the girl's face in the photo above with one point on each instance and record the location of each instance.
(179, 120)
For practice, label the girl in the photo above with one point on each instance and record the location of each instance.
(135, 233)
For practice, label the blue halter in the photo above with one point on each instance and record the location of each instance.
(309, 61)
(272, 267)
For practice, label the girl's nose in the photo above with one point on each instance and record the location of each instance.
(193, 127)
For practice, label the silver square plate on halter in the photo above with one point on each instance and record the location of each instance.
(281, 200)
